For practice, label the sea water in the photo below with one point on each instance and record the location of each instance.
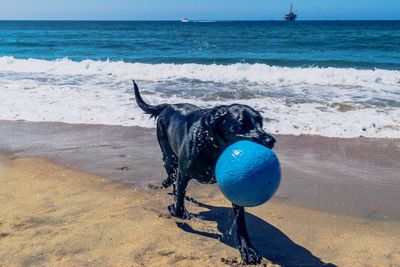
(339, 79)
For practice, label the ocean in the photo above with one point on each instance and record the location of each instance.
(329, 78)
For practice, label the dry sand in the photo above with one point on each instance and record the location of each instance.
(54, 216)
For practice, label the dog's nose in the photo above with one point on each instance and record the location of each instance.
(270, 142)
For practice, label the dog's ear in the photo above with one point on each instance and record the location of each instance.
(213, 123)
(216, 116)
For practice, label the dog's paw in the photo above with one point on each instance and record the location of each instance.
(183, 214)
(250, 255)
(174, 212)
(187, 215)
(167, 182)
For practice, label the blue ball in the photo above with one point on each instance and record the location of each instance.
(248, 174)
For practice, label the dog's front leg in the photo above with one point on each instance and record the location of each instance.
(178, 209)
(249, 254)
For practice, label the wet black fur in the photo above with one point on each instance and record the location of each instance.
(191, 140)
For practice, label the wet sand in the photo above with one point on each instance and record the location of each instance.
(54, 216)
(358, 176)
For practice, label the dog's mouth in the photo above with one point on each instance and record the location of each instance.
(268, 142)
(262, 139)
(270, 146)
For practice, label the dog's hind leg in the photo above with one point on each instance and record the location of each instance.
(178, 209)
(249, 254)
(169, 158)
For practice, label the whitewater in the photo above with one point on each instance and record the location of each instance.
(334, 102)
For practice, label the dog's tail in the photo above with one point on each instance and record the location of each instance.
(154, 111)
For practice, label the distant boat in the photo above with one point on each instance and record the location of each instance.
(185, 20)
(291, 16)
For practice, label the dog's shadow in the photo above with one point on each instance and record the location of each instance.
(272, 243)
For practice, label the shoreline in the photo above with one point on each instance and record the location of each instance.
(353, 176)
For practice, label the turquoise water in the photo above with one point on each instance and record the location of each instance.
(362, 44)
(332, 78)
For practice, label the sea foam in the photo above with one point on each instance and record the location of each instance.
(323, 101)
(251, 73)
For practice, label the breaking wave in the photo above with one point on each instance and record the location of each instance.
(338, 102)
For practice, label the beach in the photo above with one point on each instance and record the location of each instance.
(90, 194)
(81, 169)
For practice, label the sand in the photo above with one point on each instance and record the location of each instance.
(54, 216)
(356, 176)
(75, 194)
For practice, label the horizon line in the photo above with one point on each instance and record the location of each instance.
(195, 20)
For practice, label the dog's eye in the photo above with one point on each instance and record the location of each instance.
(246, 124)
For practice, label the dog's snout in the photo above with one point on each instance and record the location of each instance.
(270, 142)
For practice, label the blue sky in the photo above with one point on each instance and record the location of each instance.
(197, 9)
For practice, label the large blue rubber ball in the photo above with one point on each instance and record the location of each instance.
(248, 174)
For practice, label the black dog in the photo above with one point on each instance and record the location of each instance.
(192, 139)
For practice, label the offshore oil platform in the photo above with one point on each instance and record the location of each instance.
(291, 16)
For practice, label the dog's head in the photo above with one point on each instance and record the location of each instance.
(240, 122)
